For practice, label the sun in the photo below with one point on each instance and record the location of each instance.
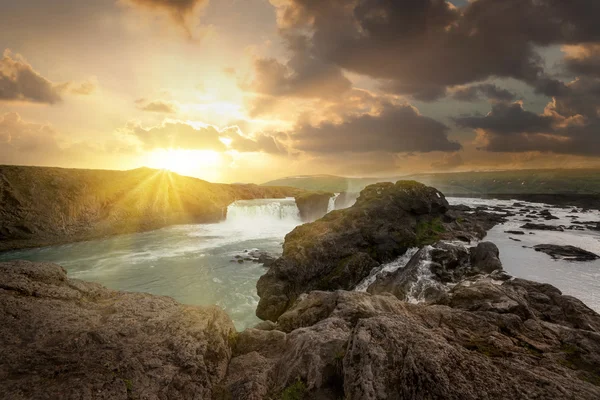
(203, 163)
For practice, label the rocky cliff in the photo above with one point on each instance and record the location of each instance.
(43, 206)
(341, 249)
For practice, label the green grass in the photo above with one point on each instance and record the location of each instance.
(296, 391)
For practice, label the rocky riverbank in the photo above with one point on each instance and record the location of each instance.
(449, 324)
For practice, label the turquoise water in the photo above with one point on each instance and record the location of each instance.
(194, 264)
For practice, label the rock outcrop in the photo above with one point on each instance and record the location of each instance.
(313, 205)
(67, 339)
(569, 253)
(42, 206)
(426, 276)
(339, 250)
(511, 339)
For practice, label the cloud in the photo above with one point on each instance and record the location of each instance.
(177, 135)
(583, 60)
(30, 143)
(183, 135)
(303, 76)
(508, 119)
(180, 11)
(158, 106)
(20, 82)
(475, 93)
(567, 126)
(421, 48)
(84, 88)
(261, 142)
(395, 129)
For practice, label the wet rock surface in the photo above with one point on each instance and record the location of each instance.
(68, 339)
(426, 276)
(569, 253)
(340, 250)
(542, 227)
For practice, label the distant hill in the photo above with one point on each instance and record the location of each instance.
(43, 206)
(547, 181)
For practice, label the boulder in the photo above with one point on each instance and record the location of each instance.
(495, 339)
(569, 253)
(67, 339)
(543, 227)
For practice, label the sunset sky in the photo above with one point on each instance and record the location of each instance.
(252, 90)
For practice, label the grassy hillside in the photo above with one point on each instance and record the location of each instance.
(558, 181)
(42, 206)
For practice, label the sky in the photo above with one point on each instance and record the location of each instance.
(254, 90)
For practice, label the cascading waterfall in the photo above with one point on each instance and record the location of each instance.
(331, 205)
(264, 210)
(400, 262)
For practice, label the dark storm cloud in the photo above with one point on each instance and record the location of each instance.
(477, 92)
(20, 82)
(397, 129)
(303, 76)
(585, 63)
(569, 125)
(425, 46)
(508, 119)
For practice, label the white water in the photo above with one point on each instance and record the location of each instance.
(331, 205)
(400, 262)
(264, 209)
(578, 279)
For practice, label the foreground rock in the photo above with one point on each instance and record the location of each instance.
(491, 340)
(67, 339)
(340, 250)
(569, 253)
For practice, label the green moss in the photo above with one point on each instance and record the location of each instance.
(428, 231)
(232, 339)
(573, 360)
(296, 391)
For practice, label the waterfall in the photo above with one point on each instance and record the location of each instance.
(263, 210)
(331, 205)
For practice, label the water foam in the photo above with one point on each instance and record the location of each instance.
(331, 205)
(398, 263)
(261, 209)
